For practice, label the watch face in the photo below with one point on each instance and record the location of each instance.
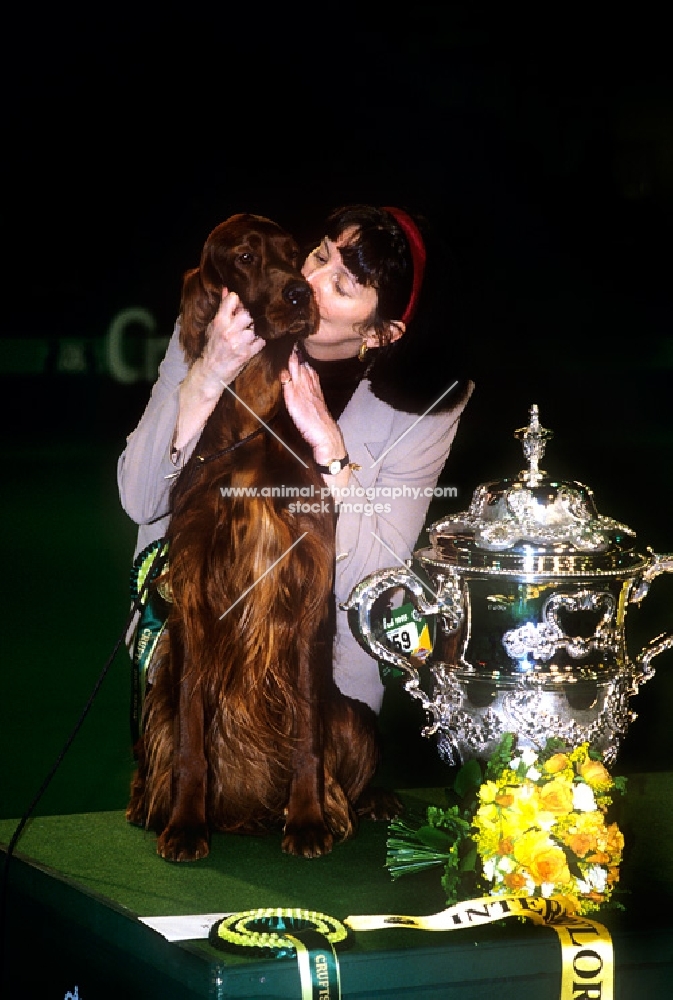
(335, 467)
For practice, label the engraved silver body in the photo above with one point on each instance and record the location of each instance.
(528, 591)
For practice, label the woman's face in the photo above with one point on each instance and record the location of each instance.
(343, 303)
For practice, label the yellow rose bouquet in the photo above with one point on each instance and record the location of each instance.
(528, 823)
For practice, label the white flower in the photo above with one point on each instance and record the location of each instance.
(584, 888)
(506, 864)
(583, 797)
(545, 820)
(547, 889)
(598, 877)
(533, 774)
(527, 757)
(489, 868)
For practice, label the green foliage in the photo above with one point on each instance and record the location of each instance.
(468, 862)
(434, 838)
(553, 745)
(452, 877)
(468, 780)
(500, 757)
(443, 838)
(449, 819)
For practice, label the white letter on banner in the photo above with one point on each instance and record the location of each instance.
(114, 344)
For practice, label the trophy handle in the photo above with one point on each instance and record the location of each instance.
(445, 600)
(647, 654)
(657, 564)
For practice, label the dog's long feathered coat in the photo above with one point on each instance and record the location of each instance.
(243, 725)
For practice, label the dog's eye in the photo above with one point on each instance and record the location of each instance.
(246, 258)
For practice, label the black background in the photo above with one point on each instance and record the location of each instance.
(541, 145)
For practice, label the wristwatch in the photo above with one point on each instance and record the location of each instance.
(334, 467)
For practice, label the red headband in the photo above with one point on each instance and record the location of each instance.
(417, 247)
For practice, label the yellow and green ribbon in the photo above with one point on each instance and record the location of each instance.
(586, 946)
(318, 966)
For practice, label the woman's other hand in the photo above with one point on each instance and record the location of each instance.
(306, 405)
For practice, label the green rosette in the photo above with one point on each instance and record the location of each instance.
(153, 615)
(270, 932)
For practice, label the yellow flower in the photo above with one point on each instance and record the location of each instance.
(524, 826)
(487, 817)
(598, 858)
(595, 774)
(514, 881)
(521, 815)
(559, 762)
(579, 754)
(544, 860)
(504, 799)
(590, 823)
(488, 792)
(580, 843)
(556, 796)
(613, 875)
(614, 842)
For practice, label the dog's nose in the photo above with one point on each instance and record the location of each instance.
(297, 294)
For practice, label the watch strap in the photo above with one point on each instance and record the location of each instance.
(331, 469)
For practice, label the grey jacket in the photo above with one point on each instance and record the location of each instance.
(398, 453)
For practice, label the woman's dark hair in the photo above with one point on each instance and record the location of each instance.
(378, 255)
(414, 371)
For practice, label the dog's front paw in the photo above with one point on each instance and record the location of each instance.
(309, 840)
(135, 812)
(378, 803)
(183, 843)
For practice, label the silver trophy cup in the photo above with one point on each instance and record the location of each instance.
(527, 592)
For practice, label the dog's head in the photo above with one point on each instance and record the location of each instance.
(255, 258)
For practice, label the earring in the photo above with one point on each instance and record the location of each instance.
(362, 353)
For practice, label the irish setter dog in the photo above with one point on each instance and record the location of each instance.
(243, 726)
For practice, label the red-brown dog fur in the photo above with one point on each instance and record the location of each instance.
(244, 727)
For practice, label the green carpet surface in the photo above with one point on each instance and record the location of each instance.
(103, 854)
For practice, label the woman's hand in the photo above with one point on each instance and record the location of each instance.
(230, 345)
(306, 405)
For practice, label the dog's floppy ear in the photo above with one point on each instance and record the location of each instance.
(200, 301)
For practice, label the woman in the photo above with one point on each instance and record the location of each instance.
(366, 394)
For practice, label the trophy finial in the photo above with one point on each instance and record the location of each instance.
(534, 438)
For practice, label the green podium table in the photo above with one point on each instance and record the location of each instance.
(79, 885)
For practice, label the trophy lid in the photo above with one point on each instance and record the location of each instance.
(531, 513)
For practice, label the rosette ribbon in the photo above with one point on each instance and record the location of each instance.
(153, 611)
(310, 936)
(586, 946)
